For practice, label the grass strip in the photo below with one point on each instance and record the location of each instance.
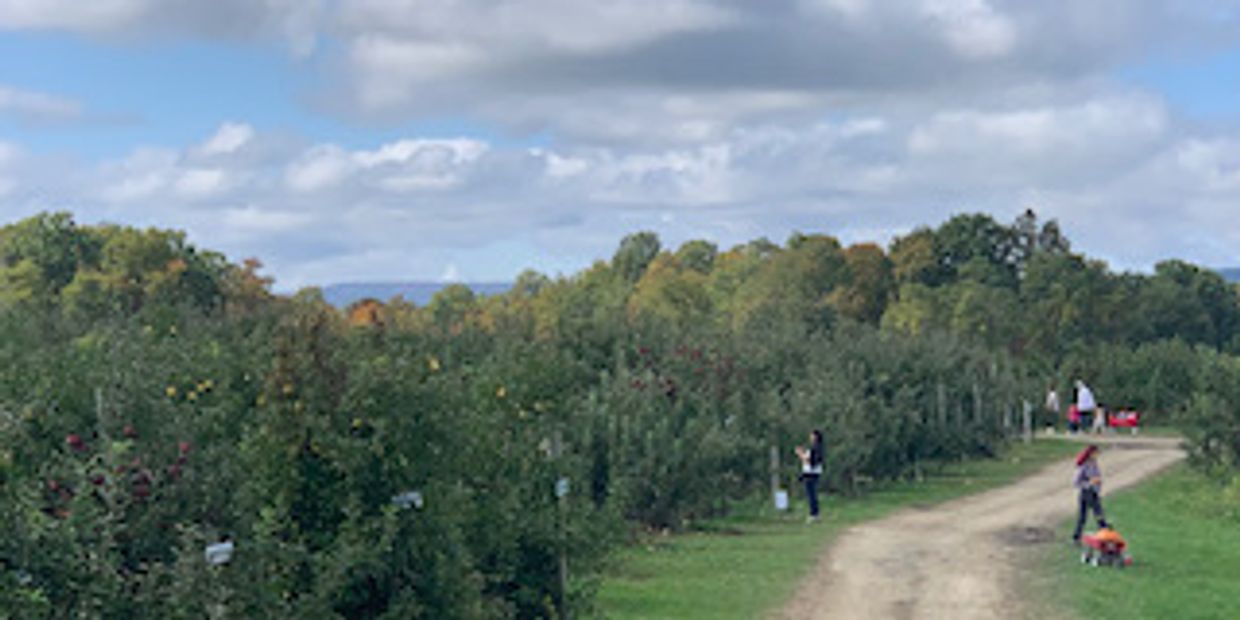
(1183, 531)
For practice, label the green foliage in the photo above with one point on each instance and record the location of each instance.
(634, 254)
(697, 255)
(156, 398)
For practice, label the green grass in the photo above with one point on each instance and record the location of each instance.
(1185, 539)
(746, 565)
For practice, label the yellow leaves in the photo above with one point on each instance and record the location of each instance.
(261, 400)
(287, 389)
(357, 422)
(501, 392)
(432, 363)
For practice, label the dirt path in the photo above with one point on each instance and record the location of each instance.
(961, 560)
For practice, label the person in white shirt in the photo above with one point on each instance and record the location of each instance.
(1085, 404)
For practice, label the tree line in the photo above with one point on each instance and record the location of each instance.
(480, 457)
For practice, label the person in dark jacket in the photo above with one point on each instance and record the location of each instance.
(811, 470)
(1088, 482)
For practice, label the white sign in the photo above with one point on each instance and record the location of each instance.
(781, 500)
(219, 553)
(408, 499)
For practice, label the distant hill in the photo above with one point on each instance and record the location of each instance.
(1231, 273)
(420, 293)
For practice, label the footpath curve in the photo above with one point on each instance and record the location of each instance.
(962, 559)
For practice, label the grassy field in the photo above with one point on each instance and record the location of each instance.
(747, 564)
(1186, 543)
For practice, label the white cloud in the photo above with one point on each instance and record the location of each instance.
(200, 182)
(400, 166)
(1054, 144)
(296, 22)
(424, 153)
(318, 168)
(8, 153)
(31, 106)
(560, 167)
(697, 118)
(451, 273)
(1213, 164)
(228, 138)
(255, 221)
(848, 8)
(139, 176)
(71, 15)
(972, 27)
(573, 26)
(8, 158)
(689, 71)
(867, 173)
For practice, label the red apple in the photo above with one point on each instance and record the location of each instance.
(130, 431)
(184, 447)
(74, 441)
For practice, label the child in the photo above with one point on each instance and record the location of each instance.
(1100, 420)
(1088, 482)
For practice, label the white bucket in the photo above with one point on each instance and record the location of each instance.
(781, 500)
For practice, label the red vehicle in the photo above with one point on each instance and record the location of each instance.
(1125, 419)
(1105, 548)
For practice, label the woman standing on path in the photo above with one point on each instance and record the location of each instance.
(811, 470)
(1088, 482)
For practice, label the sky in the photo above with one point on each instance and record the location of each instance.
(397, 140)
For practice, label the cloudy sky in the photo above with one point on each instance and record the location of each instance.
(343, 140)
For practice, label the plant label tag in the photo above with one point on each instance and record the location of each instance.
(408, 499)
(219, 553)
